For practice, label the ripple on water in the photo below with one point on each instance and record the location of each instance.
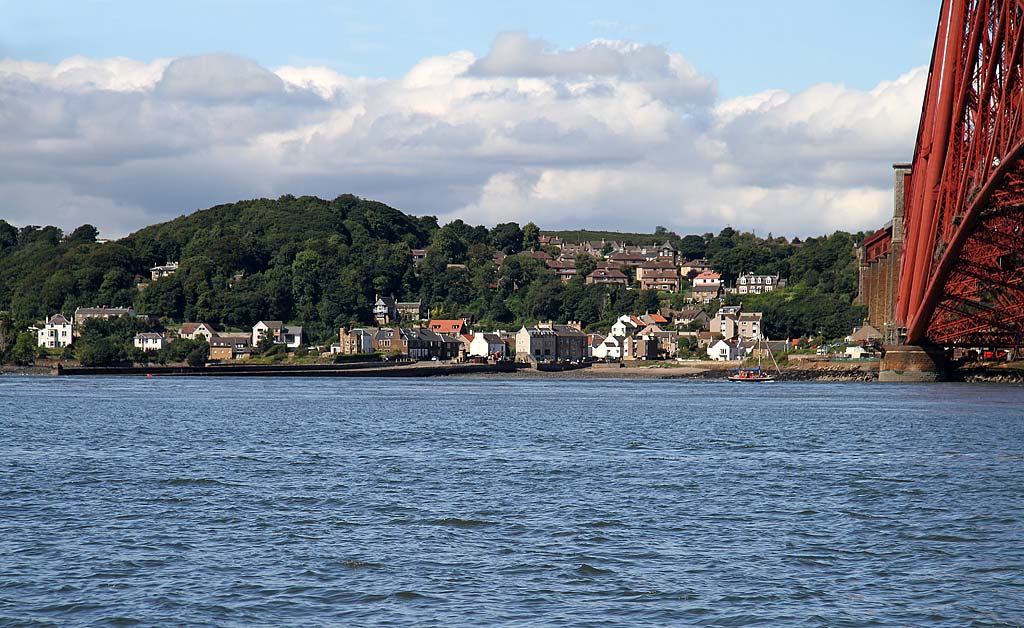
(458, 503)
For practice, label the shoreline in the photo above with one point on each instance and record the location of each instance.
(710, 371)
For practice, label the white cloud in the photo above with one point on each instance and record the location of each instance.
(610, 134)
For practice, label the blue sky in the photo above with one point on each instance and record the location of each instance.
(774, 116)
(748, 45)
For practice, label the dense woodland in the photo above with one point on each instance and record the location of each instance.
(320, 264)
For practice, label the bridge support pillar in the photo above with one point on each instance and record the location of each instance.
(911, 363)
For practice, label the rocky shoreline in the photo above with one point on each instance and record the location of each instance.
(819, 372)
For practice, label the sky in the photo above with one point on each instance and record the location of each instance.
(779, 117)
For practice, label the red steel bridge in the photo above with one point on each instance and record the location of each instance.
(960, 279)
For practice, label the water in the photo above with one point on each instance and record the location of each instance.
(458, 502)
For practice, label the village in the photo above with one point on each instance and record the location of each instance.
(704, 328)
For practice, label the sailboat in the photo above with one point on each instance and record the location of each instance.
(755, 373)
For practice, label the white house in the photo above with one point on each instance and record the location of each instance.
(279, 334)
(149, 341)
(56, 334)
(611, 348)
(749, 283)
(724, 351)
(858, 352)
(165, 270)
(194, 331)
(271, 329)
(487, 345)
(627, 325)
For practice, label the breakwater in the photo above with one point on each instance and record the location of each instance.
(352, 369)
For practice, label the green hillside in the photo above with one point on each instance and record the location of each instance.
(320, 263)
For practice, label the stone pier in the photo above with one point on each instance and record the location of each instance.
(910, 363)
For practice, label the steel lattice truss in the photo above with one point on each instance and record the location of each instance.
(962, 274)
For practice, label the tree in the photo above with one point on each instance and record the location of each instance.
(507, 237)
(585, 264)
(86, 234)
(23, 353)
(99, 351)
(531, 237)
(692, 247)
(447, 243)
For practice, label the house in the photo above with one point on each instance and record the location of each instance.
(668, 251)
(272, 329)
(707, 338)
(541, 256)
(642, 347)
(426, 344)
(691, 317)
(859, 352)
(194, 331)
(84, 314)
(667, 342)
(536, 344)
(724, 351)
(58, 332)
(387, 340)
(293, 336)
(731, 323)
(654, 318)
(597, 249)
(749, 283)
(358, 340)
(453, 326)
(707, 286)
(418, 255)
(149, 341)
(749, 325)
(410, 310)
(627, 325)
(570, 343)
(767, 349)
(609, 276)
(693, 268)
(593, 341)
(707, 279)
(610, 348)
(385, 310)
(866, 334)
(165, 270)
(230, 346)
(631, 260)
(465, 345)
(654, 266)
(563, 269)
(487, 345)
(290, 337)
(663, 280)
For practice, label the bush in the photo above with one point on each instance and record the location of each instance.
(197, 356)
(101, 351)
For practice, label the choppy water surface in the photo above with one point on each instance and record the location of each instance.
(304, 502)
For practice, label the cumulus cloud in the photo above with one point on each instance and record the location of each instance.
(610, 134)
(218, 77)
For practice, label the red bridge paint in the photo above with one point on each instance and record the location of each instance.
(961, 277)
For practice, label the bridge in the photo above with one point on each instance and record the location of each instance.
(947, 271)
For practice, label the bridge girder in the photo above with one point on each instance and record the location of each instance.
(961, 274)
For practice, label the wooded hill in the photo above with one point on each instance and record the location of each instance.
(320, 264)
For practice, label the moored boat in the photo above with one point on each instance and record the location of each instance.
(751, 375)
(755, 373)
